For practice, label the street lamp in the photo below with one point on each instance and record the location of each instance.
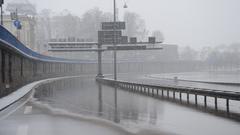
(114, 41)
(114, 38)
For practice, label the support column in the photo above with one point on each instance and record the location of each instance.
(100, 75)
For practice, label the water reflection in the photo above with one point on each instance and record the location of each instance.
(86, 97)
(81, 96)
(116, 117)
(100, 110)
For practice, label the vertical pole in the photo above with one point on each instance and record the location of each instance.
(227, 105)
(100, 61)
(114, 40)
(196, 100)
(148, 91)
(174, 94)
(187, 97)
(216, 105)
(153, 92)
(205, 101)
(1, 15)
(180, 96)
(168, 94)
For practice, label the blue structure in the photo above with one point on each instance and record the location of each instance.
(20, 65)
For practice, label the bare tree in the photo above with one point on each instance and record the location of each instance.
(136, 26)
(91, 23)
(159, 36)
(188, 53)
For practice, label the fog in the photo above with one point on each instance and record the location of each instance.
(187, 22)
(174, 69)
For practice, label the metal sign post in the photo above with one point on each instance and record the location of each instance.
(1, 4)
(114, 41)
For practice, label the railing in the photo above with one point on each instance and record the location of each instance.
(164, 92)
(20, 65)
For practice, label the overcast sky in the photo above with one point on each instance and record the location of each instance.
(195, 23)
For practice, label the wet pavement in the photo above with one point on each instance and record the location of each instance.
(62, 107)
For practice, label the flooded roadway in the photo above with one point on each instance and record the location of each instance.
(83, 96)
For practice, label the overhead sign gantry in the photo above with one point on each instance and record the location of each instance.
(110, 38)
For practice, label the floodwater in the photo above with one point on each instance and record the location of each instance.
(132, 111)
(217, 76)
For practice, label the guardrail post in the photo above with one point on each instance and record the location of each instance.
(205, 101)
(174, 94)
(180, 96)
(153, 92)
(196, 100)
(216, 105)
(187, 97)
(168, 94)
(227, 105)
(148, 91)
(162, 93)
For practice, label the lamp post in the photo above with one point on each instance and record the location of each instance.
(114, 40)
(114, 37)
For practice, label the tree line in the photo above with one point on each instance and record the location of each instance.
(218, 57)
(66, 25)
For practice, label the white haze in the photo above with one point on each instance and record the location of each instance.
(195, 23)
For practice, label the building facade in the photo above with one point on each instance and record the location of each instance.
(26, 34)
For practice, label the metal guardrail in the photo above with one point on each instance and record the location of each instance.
(158, 90)
(20, 65)
(7, 40)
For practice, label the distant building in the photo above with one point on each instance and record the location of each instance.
(26, 34)
(26, 12)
